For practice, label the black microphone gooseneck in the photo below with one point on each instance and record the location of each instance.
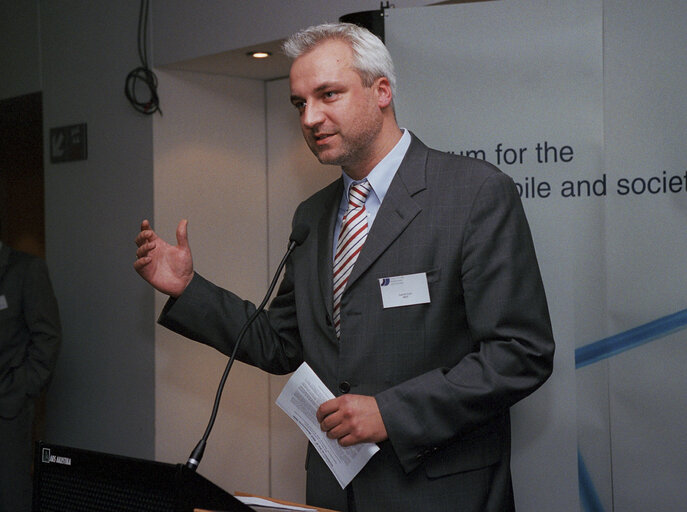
(298, 236)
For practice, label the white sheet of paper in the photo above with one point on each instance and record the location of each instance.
(404, 290)
(302, 395)
(273, 505)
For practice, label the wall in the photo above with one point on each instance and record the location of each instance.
(210, 169)
(19, 48)
(102, 395)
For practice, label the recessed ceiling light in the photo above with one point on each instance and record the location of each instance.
(259, 54)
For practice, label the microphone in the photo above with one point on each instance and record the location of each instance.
(298, 235)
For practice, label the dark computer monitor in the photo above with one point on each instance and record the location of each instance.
(75, 480)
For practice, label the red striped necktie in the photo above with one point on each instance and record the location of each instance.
(351, 239)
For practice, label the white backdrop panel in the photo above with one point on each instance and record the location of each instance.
(520, 84)
(645, 110)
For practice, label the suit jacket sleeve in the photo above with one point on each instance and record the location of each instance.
(214, 316)
(508, 321)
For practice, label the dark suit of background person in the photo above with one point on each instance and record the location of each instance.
(444, 373)
(30, 336)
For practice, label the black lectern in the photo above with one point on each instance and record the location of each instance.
(75, 480)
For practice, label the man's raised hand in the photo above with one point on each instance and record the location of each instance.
(168, 268)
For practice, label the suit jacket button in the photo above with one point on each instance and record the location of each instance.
(344, 387)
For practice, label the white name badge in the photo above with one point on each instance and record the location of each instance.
(404, 290)
(3, 302)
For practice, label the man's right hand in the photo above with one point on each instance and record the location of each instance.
(168, 268)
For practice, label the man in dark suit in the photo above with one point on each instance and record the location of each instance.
(442, 323)
(30, 336)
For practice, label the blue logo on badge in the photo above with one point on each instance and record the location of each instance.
(384, 282)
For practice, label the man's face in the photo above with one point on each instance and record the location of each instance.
(340, 118)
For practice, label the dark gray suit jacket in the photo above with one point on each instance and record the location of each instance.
(445, 373)
(30, 332)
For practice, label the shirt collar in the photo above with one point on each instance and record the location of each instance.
(383, 173)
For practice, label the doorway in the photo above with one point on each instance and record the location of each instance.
(22, 210)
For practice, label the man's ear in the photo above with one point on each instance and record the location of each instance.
(384, 94)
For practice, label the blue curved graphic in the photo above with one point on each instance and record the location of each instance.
(589, 499)
(609, 347)
(613, 345)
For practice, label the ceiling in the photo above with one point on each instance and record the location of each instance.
(238, 63)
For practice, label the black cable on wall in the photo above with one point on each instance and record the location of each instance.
(142, 76)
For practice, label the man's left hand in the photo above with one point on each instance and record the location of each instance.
(352, 419)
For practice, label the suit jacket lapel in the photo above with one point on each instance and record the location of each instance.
(397, 210)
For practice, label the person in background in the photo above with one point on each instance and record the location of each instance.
(30, 338)
(428, 371)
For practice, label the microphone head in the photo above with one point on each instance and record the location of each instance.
(299, 234)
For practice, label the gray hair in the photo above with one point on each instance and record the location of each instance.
(371, 59)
